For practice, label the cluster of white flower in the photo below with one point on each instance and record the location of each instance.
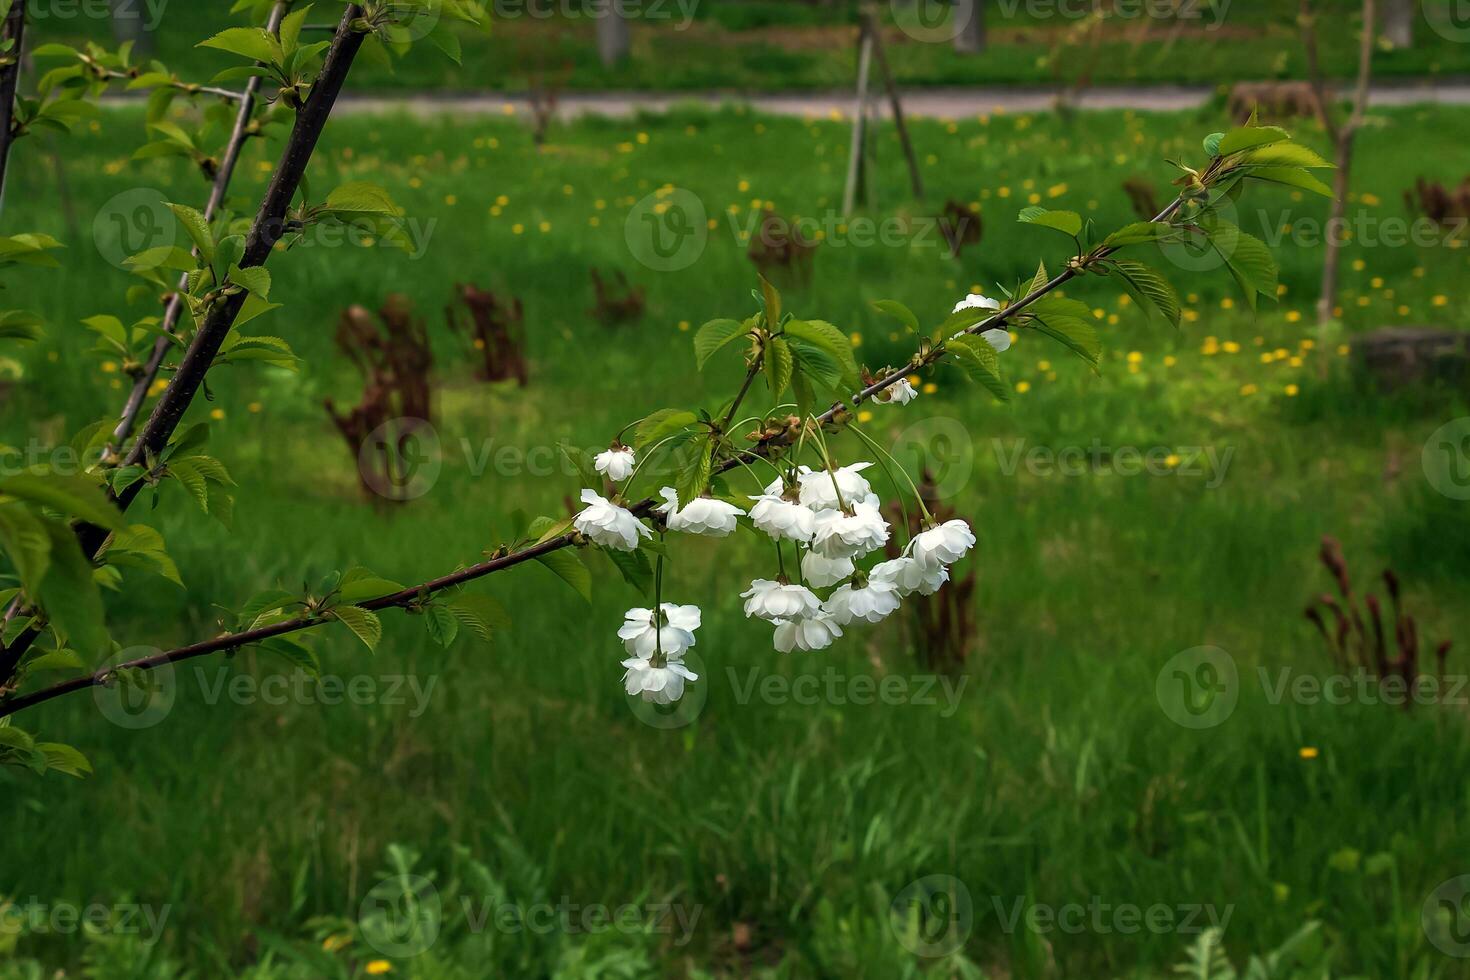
(832, 516)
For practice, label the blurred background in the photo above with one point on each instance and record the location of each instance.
(1116, 744)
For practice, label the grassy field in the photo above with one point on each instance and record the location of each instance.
(779, 831)
(758, 46)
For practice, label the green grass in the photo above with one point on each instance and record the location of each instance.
(790, 827)
(771, 46)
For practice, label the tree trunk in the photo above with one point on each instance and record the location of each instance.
(613, 39)
(969, 19)
(1398, 22)
(129, 23)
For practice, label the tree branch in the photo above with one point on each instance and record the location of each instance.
(408, 596)
(222, 180)
(13, 30)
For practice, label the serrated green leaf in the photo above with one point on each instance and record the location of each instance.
(1149, 287)
(899, 312)
(715, 335)
(981, 361)
(1249, 138)
(71, 494)
(1066, 222)
(660, 425)
(831, 341)
(442, 624)
(481, 613)
(778, 365)
(364, 624)
(568, 566)
(635, 568)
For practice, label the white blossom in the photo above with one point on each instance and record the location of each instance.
(672, 635)
(770, 600)
(901, 392)
(822, 572)
(840, 534)
(702, 515)
(814, 633)
(781, 518)
(942, 545)
(997, 337)
(909, 575)
(661, 685)
(616, 464)
(819, 493)
(608, 524)
(871, 603)
(976, 301)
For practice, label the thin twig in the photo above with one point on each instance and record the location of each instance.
(408, 596)
(171, 315)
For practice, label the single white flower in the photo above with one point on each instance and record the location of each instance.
(909, 575)
(780, 518)
(661, 685)
(901, 392)
(608, 524)
(839, 534)
(777, 487)
(822, 572)
(819, 493)
(871, 603)
(616, 464)
(814, 633)
(703, 515)
(942, 545)
(976, 301)
(671, 635)
(771, 600)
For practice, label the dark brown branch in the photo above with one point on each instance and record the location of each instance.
(407, 597)
(268, 228)
(231, 159)
(13, 30)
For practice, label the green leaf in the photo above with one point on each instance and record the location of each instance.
(778, 364)
(635, 568)
(296, 654)
(140, 546)
(714, 335)
(815, 364)
(1066, 222)
(1287, 155)
(73, 495)
(26, 542)
(197, 228)
(567, 564)
(69, 593)
(1137, 234)
(899, 312)
(773, 303)
(364, 624)
(1149, 287)
(64, 759)
(254, 280)
(291, 26)
(831, 341)
(248, 42)
(481, 613)
(1076, 334)
(442, 624)
(1250, 137)
(660, 425)
(359, 585)
(1291, 177)
(981, 361)
(191, 479)
(1249, 259)
(1212, 144)
(362, 197)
